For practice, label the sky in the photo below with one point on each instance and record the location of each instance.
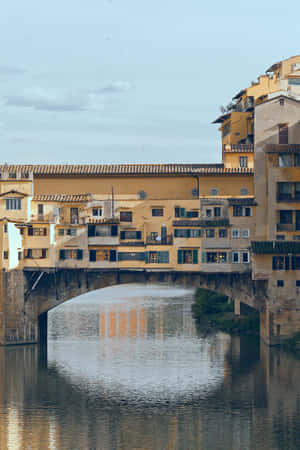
(130, 81)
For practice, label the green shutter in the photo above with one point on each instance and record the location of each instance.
(122, 235)
(175, 232)
(179, 256)
(195, 256)
(189, 214)
(188, 233)
(138, 235)
(199, 233)
(113, 255)
(182, 212)
(147, 257)
(93, 255)
(204, 257)
(163, 257)
(229, 256)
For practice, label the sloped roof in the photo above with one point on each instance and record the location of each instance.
(72, 198)
(120, 169)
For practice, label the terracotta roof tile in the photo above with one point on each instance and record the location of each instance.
(73, 198)
(124, 169)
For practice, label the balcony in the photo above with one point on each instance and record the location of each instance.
(213, 222)
(288, 198)
(238, 148)
(132, 244)
(287, 227)
(284, 148)
(167, 240)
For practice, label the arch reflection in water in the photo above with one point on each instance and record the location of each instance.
(140, 349)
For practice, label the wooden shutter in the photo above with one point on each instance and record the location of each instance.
(179, 256)
(182, 212)
(113, 255)
(195, 256)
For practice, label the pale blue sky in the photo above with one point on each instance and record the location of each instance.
(111, 81)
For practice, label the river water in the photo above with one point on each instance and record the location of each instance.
(126, 368)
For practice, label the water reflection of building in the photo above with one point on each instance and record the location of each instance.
(138, 321)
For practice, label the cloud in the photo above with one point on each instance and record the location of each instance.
(48, 100)
(42, 99)
(114, 88)
(12, 71)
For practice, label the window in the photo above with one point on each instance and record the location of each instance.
(284, 191)
(210, 233)
(295, 262)
(294, 81)
(245, 257)
(100, 255)
(298, 283)
(208, 213)
(153, 235)
(126, 216)
(237, 211)
(217, 211)
(235, 233)
(280, 283)
(216, 257)
(245, 233)
(280, 237)
(13, 203)
(157, 212)
(278, 263)
(19, 256)
(97, 212)
(187, 233)
(297, 190)
(12, 175)
(243, 161)
(36, 253)
(285, 160)
(37, 231)
(71, 231)
(187, 256)
(24, 175)
(131, 256)
(235, 257)
(157, 257)
(71, 254)
(214, 191)
(130, 235)
(74, 215)
(5, 227)
(102, 230)
(222, 233)
(281, 101)
(286, 217)
(40, 211)
(244, 191)
(61, 232)
(5, 254)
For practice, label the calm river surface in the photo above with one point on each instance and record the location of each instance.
(128, 369)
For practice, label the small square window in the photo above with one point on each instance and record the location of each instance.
(157, 212)
(280, 283)
(245, 233)
(210, 233)
(235, 233)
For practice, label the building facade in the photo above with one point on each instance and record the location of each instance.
(241, 215)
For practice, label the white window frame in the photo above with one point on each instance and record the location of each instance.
(99, 210)
(248, 257)
(245, 233)
(235, 231)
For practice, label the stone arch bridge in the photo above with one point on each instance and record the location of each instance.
(26, 296)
